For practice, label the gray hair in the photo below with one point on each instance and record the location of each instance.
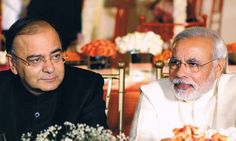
(219, 49)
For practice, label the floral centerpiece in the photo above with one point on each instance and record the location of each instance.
(71, 56)
(192, 133)
(104, 48)
(78, 132)
(231, 47)
(141, 42)
(138, 42)
(164, 56)
(100, 53)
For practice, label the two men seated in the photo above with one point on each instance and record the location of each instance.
(39, 90)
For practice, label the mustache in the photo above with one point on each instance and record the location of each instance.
(177, 81)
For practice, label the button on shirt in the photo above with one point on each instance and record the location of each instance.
(37, 114)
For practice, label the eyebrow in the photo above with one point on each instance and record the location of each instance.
(54, 51)
(188, 60)
(193, 60)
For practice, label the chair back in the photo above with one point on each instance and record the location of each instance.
(216, 15)
(159, 66)
(120, 77)
(165, 30)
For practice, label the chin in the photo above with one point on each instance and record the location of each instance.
(49, 87)
(187, 96)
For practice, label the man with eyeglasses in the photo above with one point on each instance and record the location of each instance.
(196, 92)
(39, 90)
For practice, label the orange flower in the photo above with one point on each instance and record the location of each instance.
(192, 133)
(231, 47)
(164, 56)
(104, 48)
(72, 56)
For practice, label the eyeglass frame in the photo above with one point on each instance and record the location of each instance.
(188, 64)
(42, 58)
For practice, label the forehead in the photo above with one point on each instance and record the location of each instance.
(196, 47)
(43, 41)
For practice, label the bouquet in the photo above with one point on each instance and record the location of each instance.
(78, 132)
(141, 42)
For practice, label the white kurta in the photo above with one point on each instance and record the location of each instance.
(159, 112)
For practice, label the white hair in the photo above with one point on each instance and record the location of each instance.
(219, 49)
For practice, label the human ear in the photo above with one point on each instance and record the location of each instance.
(220, 67)
(12, 64)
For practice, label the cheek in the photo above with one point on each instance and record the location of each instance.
(200, 78)
(171, 74)
(30, 75)
(59, 70)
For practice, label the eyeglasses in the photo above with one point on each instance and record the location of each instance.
(192, 65)
(38, 60)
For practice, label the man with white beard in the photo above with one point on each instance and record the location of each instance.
(196, 92)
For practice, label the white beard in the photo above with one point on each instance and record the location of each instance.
(198, 91)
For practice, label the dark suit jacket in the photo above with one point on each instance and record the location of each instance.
(65, 15)
(78, 99)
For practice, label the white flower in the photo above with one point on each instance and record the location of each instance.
(78, 132)
(142, 42)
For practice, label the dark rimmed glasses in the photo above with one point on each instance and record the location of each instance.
(192, 65)
(39, 60)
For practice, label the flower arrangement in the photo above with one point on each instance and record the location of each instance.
(142, 42)
(192, 133)
(164, 56)
(78, 132)
(231, 47)
(72, 56)
(103, 48)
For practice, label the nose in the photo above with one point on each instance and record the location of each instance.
(48, 66)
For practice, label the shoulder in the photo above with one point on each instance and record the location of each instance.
(156, 85)
(227, 82)
(80, 83)
(78, 74)
(161, 88)
(6, 76)
(7, 82)
(226, 85)
(227, 78)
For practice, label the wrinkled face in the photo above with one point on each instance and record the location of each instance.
(188, 83)
(41, 75)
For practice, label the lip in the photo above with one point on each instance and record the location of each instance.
(183, 86)
(48, 79)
